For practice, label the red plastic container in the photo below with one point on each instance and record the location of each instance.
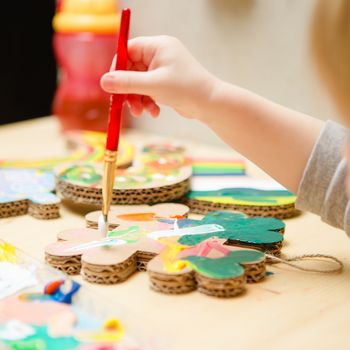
(85, 42)
(83, 58)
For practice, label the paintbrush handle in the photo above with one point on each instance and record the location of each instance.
(108, 179)
(117, 100)
(114, 125)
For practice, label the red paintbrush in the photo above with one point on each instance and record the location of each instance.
(115, 112)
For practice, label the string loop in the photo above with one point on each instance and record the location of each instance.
(289, 261)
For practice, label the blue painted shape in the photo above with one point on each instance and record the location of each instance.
(34, 185)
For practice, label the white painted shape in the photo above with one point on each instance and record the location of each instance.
(108, 242)
(14, 277)
(15, 330)
(197, 230)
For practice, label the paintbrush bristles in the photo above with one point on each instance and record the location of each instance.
(103, 225)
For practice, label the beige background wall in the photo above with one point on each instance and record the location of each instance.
(259, 44)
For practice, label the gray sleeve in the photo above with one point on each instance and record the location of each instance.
(322, 188)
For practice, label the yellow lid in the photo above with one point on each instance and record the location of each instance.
(95, 16)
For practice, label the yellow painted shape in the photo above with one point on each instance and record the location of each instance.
(229, 200)
(169, 256)
(7, 253)
(112, 332)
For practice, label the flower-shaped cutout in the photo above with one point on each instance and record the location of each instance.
(148, 237)
(157, 175)
(125, 249)
(211, 267)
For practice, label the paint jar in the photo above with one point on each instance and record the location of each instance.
(85, 41)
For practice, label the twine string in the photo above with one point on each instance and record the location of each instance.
(289, 261)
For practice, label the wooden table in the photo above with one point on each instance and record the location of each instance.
(289, 310)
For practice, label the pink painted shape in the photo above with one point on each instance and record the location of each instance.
(34, 312)
(205, 247)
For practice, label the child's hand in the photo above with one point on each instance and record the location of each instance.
(162, 71)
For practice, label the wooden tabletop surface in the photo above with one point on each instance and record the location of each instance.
(289, 310)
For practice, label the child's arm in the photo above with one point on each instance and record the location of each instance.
(276, 138)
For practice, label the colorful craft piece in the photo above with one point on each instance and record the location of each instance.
(264, 234)
(26, 190)
(222, 271)
(39, 340)
(180, 254)
(226, 267)
(156, 176)
(218, 167)
(62, 291)
(85, 249)
(251, 201)
(40, 321)
(88, 146)
(33, 309)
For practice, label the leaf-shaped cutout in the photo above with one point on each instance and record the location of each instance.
(238, 227)
(225, 267)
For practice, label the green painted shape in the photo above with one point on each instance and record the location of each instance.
(132, 234)
(225, 267)
(36, 344)
(244, 194)
(85, 175)
(246, 256)
(221, 268)
(238, 227)
(42, 341)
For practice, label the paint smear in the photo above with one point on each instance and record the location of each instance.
(137, 217)
(188, 231)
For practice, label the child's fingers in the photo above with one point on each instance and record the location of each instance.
(150, 106)
(138, 104)
(135, 105)
(138, 66)
(142, 49)
(129, 82)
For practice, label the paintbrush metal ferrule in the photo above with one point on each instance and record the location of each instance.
(108, 180)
